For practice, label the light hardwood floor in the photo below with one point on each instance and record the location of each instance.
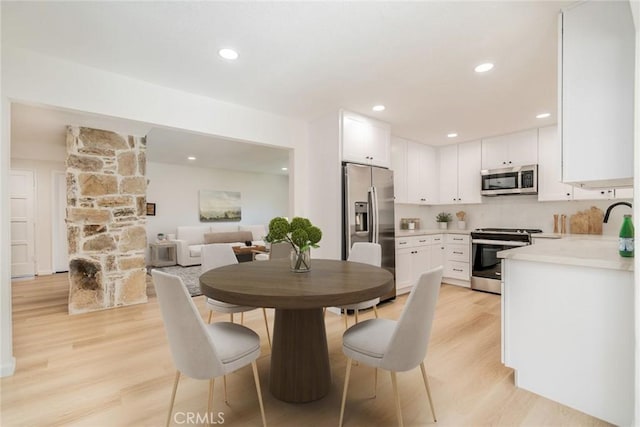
(113, 368)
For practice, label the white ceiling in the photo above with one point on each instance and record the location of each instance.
(305, 59)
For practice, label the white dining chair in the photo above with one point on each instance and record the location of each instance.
(366, 253)
(276, 251)
(396, 346)
(203, 351)
(218, 255)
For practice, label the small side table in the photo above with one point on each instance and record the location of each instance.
(163, 254)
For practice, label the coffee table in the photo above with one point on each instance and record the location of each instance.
(300, 370)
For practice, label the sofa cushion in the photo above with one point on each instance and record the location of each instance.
(258, 231)
(195, 251)
(193, 234)
(228, 237)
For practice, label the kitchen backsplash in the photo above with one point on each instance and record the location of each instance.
(512, 212)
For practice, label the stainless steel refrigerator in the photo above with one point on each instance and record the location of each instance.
(367, 212)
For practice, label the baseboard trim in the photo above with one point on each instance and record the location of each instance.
(9, 368)
(457, 282)
(45, 273)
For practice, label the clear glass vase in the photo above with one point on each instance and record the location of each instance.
(300, 261)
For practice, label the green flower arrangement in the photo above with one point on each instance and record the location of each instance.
(443, 217)
(300, 233)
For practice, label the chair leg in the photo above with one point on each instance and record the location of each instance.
(266, 325)
(375, 382)
(375, 311)
(344, 392)
(259, 390)
(173, 396)
(356, 316)
(346, 325)
(426, 385)
(210, 401)
(242, 318)
(210, 315)
(394, 383)
(226, 400)
(231, 317)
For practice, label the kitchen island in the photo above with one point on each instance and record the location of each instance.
(567, 324)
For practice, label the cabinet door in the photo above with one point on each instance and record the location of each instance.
(365, 140)
(514, 149)
(422, 176)
(400, 171)
(494, 153)
(403, 266)
(550, 185)
(437, 255)
(522, 148)
(600, 194)
(448, 159)
(419, 262)
(597, 90)
(469, 158)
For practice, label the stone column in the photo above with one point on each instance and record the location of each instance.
(106, 219)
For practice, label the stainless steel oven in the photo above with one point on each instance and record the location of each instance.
(485, 244)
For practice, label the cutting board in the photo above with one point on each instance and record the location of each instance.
(588, 221)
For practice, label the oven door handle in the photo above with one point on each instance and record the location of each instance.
(499, 242)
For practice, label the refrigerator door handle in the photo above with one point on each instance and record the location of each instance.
(370, 202)
(375, 212)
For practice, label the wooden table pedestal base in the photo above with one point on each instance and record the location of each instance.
(300, 369)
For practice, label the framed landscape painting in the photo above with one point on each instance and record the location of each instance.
(218, 206)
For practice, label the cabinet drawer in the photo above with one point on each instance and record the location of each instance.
(462, 239)
(456, 270)
(422, 240)
(403, 242)
(458, 253)
(437, 238)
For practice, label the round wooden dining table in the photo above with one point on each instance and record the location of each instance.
(300, 370)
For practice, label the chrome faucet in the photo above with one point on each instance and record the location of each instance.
(606, 215)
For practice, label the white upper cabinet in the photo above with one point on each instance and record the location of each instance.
(597, 53)
(399, 167)
(550, 185)
(365, 140)
(422, 185)
(415, 172)
(460, 173)
(514, 149)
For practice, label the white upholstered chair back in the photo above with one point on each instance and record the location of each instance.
(280, 250)
(366, 253)
(408, 345)
(193, 352)
(217, 255)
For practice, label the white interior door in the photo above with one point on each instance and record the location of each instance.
(21, 189)
(60, 249)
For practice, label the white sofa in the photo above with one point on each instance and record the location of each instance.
(189, 239)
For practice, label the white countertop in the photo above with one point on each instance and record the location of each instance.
(576, 249)
(428, 232)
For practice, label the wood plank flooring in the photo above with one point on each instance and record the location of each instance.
(114, 368)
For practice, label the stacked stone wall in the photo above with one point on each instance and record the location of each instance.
(106, 219)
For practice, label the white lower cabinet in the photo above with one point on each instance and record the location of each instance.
(414, 256)
(457, 259)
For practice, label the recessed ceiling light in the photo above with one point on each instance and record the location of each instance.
(378, 108)
(191, 158)
(285, 169)
(452, 135)
(228, 54)
(543, 115)
(482, 68)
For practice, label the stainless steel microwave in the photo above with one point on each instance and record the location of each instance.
(512, 180)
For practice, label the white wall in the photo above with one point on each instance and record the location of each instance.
(31, 78)
(43, 173)
(174, 189)
(513, 212)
